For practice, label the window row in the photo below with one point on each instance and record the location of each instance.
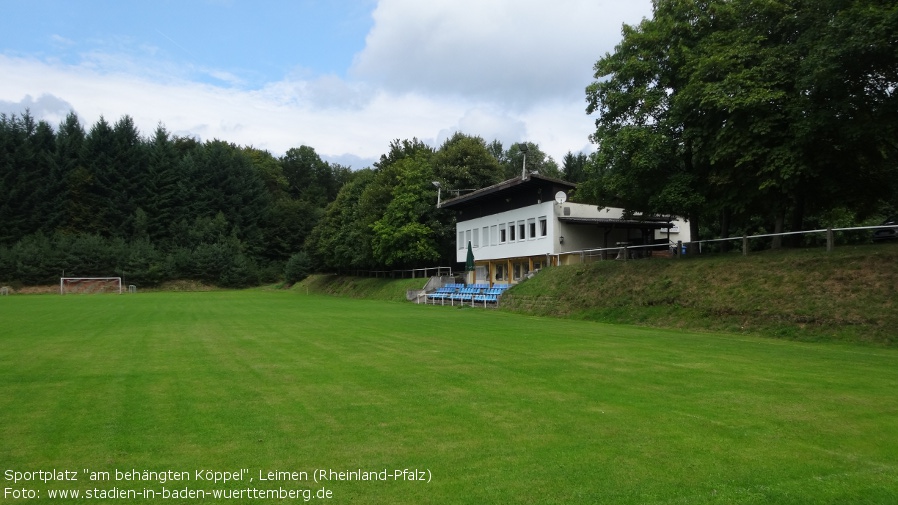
(504, 233)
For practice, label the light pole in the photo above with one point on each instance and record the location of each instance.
(523, 148)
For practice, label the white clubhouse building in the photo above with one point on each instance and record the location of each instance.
(526, 223)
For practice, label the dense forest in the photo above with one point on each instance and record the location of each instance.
(109, 201)
(743, 116)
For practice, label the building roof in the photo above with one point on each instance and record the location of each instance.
(532, 181)
(647, 223)
(533, 184)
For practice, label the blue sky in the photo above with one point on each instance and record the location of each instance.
(255, 42)
(345, 77)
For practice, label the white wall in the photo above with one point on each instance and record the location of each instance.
(680, 232)
(519, 247)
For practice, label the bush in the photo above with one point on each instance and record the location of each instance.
(272, 271)
(299, 266)
(240, 272)
(143, 264)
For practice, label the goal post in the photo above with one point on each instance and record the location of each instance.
(90, 285)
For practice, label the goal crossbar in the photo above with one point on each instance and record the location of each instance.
(63, 281)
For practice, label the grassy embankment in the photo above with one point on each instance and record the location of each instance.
(850, 294)
(391, 290)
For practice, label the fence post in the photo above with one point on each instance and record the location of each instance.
(626, 253)
(830, 240)
(744, 244)
(679, 249)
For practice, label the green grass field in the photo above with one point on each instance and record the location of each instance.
(494, 407)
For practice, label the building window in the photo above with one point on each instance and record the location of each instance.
(501, 273)
(476, 237)
(461, 240)
(494, 235)
(522, 230)
(511, 232)
(543, 227)
(486, 236)
(519, 270)
(531, 228)
(467, 238)
(502, 236)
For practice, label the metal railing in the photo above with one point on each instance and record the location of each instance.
(626, 251)
(618, 252)
(830, 236)
(413, 273)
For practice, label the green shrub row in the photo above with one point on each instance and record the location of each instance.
(40, 259)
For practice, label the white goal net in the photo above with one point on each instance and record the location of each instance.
(89, 285)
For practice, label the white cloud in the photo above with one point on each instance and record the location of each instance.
(274, 118)
(324, 92)
(46, 107)
(61, 41)
(345, 122)
(504, 69)
(508, 51)
(488, 123)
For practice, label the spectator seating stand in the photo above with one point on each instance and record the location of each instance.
(477, 295)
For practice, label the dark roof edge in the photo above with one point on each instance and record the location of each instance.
(510, 183)
(648, 222)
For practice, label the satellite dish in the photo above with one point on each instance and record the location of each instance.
(560, 197)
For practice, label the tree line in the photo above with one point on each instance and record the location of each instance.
(109, 201)
(743, 116)
(751, 115)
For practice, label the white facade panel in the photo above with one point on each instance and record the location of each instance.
(513, 222)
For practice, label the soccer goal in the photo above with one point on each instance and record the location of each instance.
(89, 285)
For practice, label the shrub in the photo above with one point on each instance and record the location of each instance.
(299, 266)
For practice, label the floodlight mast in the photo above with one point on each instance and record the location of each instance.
(523, 148)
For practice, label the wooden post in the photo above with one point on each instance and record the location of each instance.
(744, 245)
(679, 248)
(830, 240)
